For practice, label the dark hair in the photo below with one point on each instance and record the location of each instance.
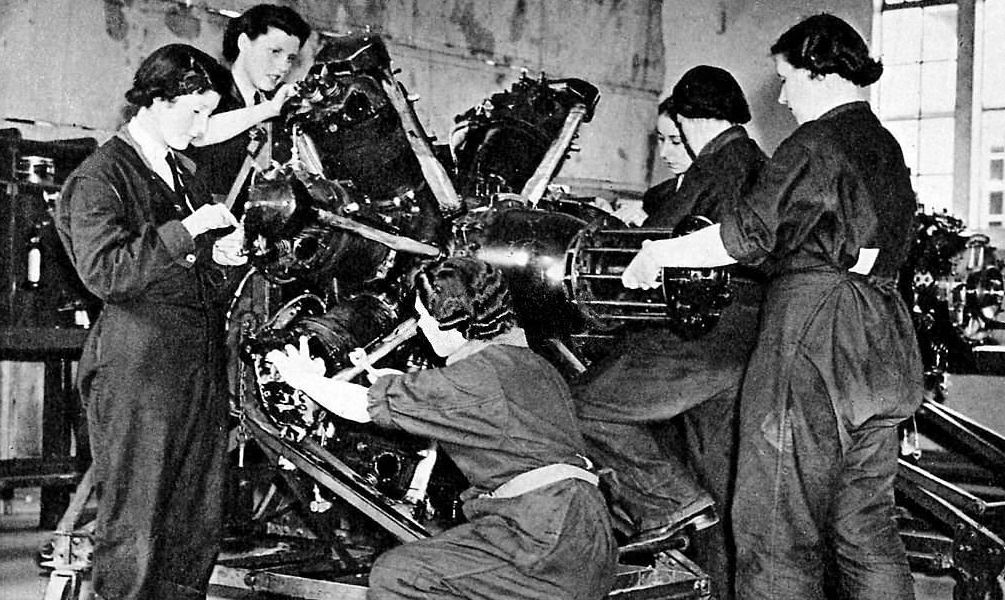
(467, 294)
(256, 21)
(176, 70)
(707, 92)
(824, 44)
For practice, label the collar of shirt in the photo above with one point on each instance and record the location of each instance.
(513, 337)
(154, 153)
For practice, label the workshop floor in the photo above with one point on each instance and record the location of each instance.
(20, 538)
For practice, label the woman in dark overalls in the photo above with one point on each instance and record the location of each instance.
(660, 412)
(133, 223)
(538, 527)
(836, 365)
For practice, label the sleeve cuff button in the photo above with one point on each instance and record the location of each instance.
(190, 258)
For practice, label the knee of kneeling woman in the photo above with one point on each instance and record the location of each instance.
(394, 575)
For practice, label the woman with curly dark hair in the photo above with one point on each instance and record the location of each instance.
(537, 525)
(138, 230)
(836, 366)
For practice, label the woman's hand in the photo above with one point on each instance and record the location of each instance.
(208, 217)
(295, 366)
(280, 98)
(644, 270)
(229, 250)
(631, 214)
(359, 359)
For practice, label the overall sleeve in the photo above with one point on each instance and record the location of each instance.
(782, 198)
(456, 404)
(115, 261)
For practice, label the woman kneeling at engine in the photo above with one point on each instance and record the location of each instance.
(537, 525)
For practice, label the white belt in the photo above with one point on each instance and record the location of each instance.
(540, 477)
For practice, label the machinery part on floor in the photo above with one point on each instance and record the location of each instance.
(954, 503)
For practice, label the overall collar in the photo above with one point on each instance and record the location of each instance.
(734, 132)
(846, 107)
(513, 337)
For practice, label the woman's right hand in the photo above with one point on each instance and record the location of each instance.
(295, 365)
(208, 217)
(644, 270)
(631, 214)
(280, 98)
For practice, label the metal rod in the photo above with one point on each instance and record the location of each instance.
(535, 187)
(391, 240)
(401, 334)
(433, 171)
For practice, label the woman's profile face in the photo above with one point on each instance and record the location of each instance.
(181, 120)
(798, 89)
(671, 145)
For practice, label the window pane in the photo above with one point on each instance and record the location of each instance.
(935, 192)
(993, 144)
(997, 170)
(938, 87)
(993, 88)
(906, 133)
(899, 91)
(992, 163)
(935, 146)
(938, 38)
(995, 203)
(901, 36)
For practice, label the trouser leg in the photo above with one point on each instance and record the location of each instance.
(788, 458)
(708, 434)
(466, 562)
(869, 553)
(647, 483)
(805, 505)
(157, 531)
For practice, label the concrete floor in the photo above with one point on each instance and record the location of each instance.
(20, 539)
(21, 579)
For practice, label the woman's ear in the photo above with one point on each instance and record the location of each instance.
(242, 43)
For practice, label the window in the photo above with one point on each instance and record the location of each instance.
(989, 88)
(917, 93)
(917, 100)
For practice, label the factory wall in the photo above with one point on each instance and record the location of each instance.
(68, 62)
(737, 35)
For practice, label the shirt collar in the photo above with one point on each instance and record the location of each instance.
(151, 150)
(513, 337)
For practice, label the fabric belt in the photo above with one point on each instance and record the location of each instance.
(540, 477)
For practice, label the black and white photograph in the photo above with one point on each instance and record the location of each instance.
(502, 299)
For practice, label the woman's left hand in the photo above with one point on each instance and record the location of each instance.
(644, 270)
(229, 250)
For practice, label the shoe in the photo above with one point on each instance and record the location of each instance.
(695, 516)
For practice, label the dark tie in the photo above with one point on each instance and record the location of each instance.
(179, 186)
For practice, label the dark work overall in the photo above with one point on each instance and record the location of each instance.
(149, 377)
(661, 411)
(836, 366)
(498, 413)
